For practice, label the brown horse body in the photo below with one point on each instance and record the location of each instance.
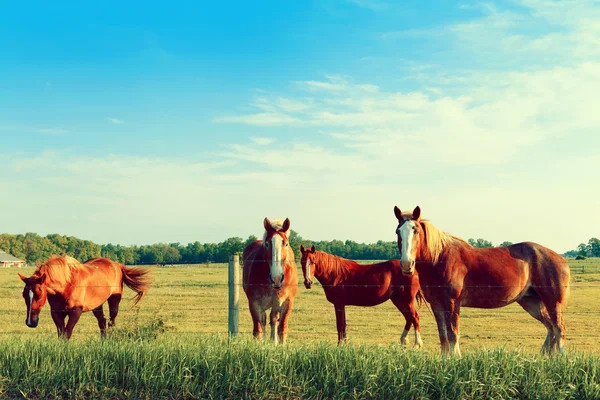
(348, 283)
(270, 280)
(455, 274)
(72, 288)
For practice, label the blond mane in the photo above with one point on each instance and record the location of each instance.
(436, 241)
(59, 269)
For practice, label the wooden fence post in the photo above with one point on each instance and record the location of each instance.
(234, 294)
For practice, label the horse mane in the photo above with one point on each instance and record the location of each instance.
(331, 265)
(59, 269)
(437, 240)
(276, 224)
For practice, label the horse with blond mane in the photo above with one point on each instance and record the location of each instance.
(270, 279)
(348, 283)
(72, 288)
(455, 274)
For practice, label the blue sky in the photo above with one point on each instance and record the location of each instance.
(137, 123)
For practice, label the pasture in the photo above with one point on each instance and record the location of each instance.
(174, 345)
(192, 301)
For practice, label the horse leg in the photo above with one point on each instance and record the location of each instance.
(113, 308)
(453, 326)
(74, 316)
(440, 318)
(258, 320)
(408, 316)
(283, 322)
(553, 299)
(99, 314)
(558, 326)
(274, 320)
(532, 303)
(58, 316)
(340, 319)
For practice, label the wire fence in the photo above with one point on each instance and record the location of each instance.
(197, 306)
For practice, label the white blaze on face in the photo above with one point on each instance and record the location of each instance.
(406, 233)
(308, 269)
(30, 306)
(276, 259)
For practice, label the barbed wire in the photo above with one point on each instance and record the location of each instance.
(372, 309)
(315, 284)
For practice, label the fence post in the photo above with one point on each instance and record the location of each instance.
(234, 294)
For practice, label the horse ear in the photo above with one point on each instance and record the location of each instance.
(23, 277)
(313, 249)
(417, 213)
(398, 213)
(267, 224)
(286, 225)
(302, 249)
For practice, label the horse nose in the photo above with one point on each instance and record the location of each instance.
(31, 324)
(307, 284)
(277, 281)
(408, 267)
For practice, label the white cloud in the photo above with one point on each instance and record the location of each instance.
(116, 121)
(262, 141)
(260, 119)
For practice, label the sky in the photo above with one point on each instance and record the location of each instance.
(136, 122)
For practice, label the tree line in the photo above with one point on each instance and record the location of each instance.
(33, 248)
(589, 249)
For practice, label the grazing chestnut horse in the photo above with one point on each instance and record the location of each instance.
(455, 274)
(72, 288)
(270, 279)
(348, 283)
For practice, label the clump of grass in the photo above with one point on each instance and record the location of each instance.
(210, 367)
(138, 329)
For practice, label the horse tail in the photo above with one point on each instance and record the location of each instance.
(138, 280)
(420, 297)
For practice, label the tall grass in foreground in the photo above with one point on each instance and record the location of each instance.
(214, 368)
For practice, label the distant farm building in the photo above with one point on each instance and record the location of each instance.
(7, 260)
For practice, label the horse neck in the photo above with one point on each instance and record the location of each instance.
(441, 243)
(329, 268)
(57, 282)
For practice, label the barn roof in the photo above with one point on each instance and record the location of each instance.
(5, 257)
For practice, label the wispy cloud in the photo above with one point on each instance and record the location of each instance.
(260, 119)
(262, 141)
(53, 131)
(116, 121)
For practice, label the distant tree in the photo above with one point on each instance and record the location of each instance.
(594, 247)
(505, 244)
(582, 250)
(481, 243)
(571, 253)
(172, 255)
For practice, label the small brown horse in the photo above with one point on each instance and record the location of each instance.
(270, 279)
(72, 288)
(348, 283)
(455, 274)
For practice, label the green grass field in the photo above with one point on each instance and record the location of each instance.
(174, 345)
(193, 301)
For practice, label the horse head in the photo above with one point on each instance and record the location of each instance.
(409, 232)
(34, 294)
(276, 249)
(308, 260)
